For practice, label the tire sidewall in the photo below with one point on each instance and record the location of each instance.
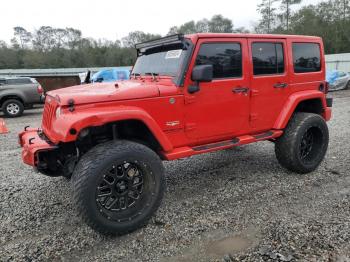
(151, 168)
(311, 122)
(14, 101)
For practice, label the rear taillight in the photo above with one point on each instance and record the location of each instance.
(40, 89)
(326, 88)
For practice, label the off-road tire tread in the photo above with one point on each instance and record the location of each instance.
(284, 146)
(88, 165)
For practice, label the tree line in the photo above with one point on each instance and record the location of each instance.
(327, 19)
(49, 47)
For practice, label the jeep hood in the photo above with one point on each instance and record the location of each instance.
(104, 92)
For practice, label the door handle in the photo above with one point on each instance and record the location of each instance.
(238, 90)
(280, 85)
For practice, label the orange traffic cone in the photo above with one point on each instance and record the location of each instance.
(3, 128)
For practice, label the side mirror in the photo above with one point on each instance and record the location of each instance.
(202, 73)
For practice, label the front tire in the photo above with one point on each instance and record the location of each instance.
(12, 108)
(117, 186)
(304, 143)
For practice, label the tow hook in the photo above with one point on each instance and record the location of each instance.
(30, 140)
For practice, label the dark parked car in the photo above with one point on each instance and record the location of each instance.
(19, 93)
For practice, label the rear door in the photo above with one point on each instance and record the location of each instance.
(220, 108)
(270, 82)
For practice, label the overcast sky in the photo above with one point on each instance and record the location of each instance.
(113, 19)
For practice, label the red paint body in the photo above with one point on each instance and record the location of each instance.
(185, 124)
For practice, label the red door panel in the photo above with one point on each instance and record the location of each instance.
(269, 85)
(221, 108)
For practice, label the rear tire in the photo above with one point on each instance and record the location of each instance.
(304, 143)
(12, 108)
(117, 186)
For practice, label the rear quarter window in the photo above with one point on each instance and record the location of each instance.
(306, 57)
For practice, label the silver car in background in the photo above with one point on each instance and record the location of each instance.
(18, 94)
(338, 80)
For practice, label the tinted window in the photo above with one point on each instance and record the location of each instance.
(226, 59)
(306, 57)
(268, 58)
(18, 81)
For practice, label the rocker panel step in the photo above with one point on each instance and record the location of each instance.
(263, 135)
(215, 145)
(186, 151)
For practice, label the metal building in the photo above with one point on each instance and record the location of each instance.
(338, 62)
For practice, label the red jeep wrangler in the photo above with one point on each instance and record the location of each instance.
(187, 95)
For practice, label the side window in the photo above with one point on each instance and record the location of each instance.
(306, 57)
(24, 81)
(18, 81)
(268, 58)
(226, 59)
(11, 81)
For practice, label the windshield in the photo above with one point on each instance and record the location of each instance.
(166, 63)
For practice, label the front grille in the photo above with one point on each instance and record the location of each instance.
(48, 114)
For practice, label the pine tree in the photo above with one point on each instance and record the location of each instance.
(286, 8)
(267, 10)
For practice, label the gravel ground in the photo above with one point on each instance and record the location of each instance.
(236, 204)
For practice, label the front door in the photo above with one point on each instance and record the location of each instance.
(220, 109)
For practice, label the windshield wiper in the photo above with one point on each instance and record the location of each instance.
(135, 75)
(154, 75)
